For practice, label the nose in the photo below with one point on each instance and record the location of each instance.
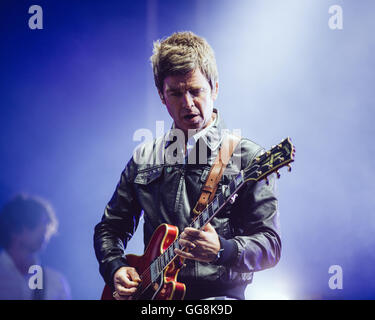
(188, 100)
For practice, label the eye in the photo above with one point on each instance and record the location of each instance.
(197, 92)
(176, 94)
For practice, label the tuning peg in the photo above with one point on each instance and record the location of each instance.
(289, 167)
(267, 182)
(278, 174)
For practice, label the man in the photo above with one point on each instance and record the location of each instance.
(26, 225)
(164, 179)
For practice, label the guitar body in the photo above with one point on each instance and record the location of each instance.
(166, 287)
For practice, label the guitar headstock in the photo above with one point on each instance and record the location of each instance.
(271, 161)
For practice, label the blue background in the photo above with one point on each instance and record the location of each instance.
(73, 94)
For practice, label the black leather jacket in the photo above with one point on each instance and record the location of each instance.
(167, 193)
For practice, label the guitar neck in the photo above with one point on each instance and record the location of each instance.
(268, 162)
(201, 220)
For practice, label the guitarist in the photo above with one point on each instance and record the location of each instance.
(164, 179)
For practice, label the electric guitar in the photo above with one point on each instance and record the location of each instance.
(158, 267)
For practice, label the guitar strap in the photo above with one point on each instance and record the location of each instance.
(209, 189)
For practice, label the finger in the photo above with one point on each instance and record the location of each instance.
(123, 291)
(134, 276)
(126, 278)
(187, 244)
(188, 255)
(192, 232)
(124, 282)
(209, 228)
(184, 254)
(117, 296)
(127, 283)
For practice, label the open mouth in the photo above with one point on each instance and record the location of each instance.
(190, 116)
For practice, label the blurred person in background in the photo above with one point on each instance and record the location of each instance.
(26, 225)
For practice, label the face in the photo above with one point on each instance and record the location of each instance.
(189, 100)
(34, 239)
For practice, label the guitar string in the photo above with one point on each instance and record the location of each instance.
(146, 275)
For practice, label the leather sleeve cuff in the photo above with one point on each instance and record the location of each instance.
(229, 253)
(112, 267)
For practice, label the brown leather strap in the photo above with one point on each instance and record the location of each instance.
(209, 189)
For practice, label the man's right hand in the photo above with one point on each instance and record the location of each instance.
(125, 280)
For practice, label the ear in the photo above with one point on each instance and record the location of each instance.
(161, 95)
(215, 91)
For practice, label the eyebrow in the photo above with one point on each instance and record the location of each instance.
(178, 89)
(172, 89)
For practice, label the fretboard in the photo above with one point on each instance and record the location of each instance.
(212, 209)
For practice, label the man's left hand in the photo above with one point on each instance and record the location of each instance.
(203, 245)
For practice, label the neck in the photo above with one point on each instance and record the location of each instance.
(22, 258)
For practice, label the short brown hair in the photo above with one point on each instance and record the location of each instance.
(181, 53)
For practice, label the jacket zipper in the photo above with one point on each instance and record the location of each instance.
(178, 195)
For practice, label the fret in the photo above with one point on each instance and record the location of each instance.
(220, 199)
(176, 245)
(215, 204)
(161, 262)
(238, 180)
(210, 211)
(196, 224)
(157, 265)
(226, 193)
(166, 253)
(205, 215)
(201, 221)
(154, 271)
(164, 259)
(232, 187)
(171, 253)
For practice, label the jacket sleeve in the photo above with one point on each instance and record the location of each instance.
(256, 226)
(118, 224)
